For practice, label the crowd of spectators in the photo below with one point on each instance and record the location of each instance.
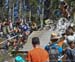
(61, 48)
(14, 34)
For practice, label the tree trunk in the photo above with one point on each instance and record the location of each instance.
(1, 9)
(74, 17)
(42, 15)
(20, 8)
(30, 16)
(24, 12)
(13, 12)
(10, 9)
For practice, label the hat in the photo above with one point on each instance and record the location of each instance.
(54, 37)
(53, 34)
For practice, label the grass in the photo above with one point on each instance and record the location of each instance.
(6, 56)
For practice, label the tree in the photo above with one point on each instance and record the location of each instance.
(1, 3)
(1, 8)
(20, 8)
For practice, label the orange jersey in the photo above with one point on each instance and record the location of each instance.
(37, 55)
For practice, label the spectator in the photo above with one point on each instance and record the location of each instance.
(15, 44)
(70, 52)
(54, 49)
(0, 26)
(70, 35)
(63, 41)
(26, 29)
(20, 41)
(52, 41)
(47, 47)
(10, 24)
(1, 33)
(37, 54)
(34, 26)
(5, 47)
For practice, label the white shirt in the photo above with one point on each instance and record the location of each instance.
(11, 26)
(71, 38)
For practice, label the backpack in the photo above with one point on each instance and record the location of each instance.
(54, 53)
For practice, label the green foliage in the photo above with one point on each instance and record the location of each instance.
(55, 4)
(33, 2)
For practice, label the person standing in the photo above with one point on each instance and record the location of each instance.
(37, 54)
(70, 52)
(10, 24)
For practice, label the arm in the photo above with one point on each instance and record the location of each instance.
(64, 58)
